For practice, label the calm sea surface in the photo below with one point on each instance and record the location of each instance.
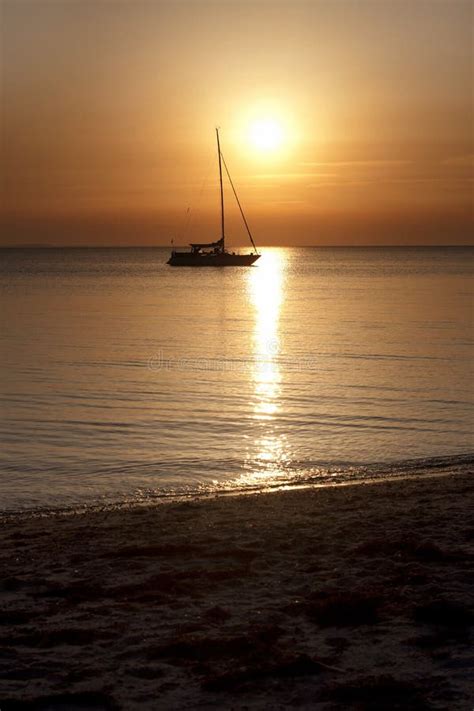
(124, 378)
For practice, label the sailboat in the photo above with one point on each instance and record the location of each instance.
(214, 254)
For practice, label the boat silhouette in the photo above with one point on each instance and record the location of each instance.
(214, 254)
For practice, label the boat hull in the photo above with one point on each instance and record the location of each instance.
(222, 259)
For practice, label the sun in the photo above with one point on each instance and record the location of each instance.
(266, 134)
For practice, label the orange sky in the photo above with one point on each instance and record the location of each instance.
(109, 109)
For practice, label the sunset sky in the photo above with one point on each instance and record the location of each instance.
(342, 122)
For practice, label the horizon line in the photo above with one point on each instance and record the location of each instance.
(272, 246)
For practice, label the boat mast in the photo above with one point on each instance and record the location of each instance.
(222, 190)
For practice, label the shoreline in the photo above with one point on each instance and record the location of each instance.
(324, 598)
(408, 470)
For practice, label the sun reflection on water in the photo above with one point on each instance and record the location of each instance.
(267, 455)
(265, 286)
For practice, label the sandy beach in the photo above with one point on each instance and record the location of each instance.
(352, 597)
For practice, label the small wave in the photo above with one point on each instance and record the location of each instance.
(299, 475)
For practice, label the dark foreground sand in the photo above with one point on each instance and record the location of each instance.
(358, 597)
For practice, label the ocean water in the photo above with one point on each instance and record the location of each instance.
(125, 379)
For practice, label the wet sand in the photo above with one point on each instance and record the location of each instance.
(355, 597)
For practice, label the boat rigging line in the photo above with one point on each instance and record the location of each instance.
(238, 202)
